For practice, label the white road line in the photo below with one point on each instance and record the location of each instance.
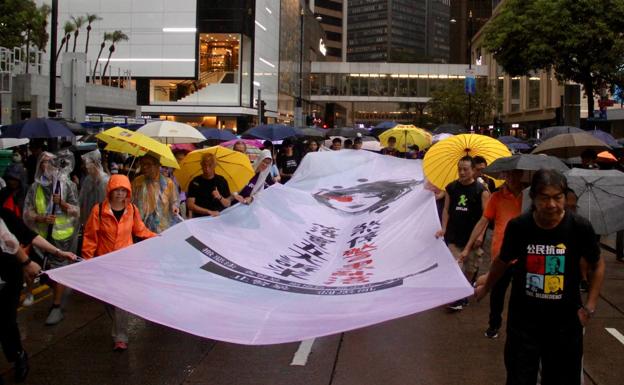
(615, 333)
(301, 355)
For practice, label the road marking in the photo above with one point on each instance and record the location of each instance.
(301, 355)
(615, 333)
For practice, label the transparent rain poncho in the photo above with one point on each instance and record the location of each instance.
(52, 176)
(93, 187)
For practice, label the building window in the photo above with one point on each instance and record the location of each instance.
(515, 94)
(534, 92)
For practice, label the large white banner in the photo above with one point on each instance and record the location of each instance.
(348, 242)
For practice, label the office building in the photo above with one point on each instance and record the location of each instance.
(330, 14)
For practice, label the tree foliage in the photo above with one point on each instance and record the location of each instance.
(449, 104)
(581, 40)
(22, 20)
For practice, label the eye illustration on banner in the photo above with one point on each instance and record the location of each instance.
(366, 197)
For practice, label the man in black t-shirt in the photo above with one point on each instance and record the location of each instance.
(287, 162)
(545, 307)
(463, 206)
(208, 194)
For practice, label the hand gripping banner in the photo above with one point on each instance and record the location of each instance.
(348, 242)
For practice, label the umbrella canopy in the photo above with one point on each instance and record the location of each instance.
(371, 145)
(312, 132)
(217, 134)
(440, 163)
(166, 131)
(12, 142)
(37, 128)
(570, 145)
(232, 165)
(449, 128)
(406, 136)
(605, 137)
(386, 125)
(347, 132)
(525, 162)
(549, 132)
(600, 197)
(509, 139)
(438, 137)
(271, 132)
(519, 146)
(119, 139)
(255, 143)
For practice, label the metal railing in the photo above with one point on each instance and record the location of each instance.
(6, 70)
(114, 76)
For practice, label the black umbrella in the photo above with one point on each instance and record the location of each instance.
(525, 162)
(217, 134)
(549, 132)
(449, 128)
(312, 132)
(347, 132)
(271, 132)
(37, 128)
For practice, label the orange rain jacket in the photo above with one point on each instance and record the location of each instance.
(103, 233)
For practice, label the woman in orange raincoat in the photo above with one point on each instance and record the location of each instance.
(110, 227)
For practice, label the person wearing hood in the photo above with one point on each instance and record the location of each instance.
(12, 196)
(262, 165)
(93, 189)
(110, 227)
(51, 210)
(155, 195)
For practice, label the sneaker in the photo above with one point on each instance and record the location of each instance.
(491, 333)
(28, 300)
(584, 286)
(456, 306)
(55, 316)
(120, 346)
(21, 367)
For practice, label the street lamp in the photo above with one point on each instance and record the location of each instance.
(469, 65)
(53, 37)
(299, 109)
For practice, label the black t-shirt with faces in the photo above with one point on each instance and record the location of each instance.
(545, 289)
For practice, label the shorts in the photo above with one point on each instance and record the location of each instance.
(470, 265)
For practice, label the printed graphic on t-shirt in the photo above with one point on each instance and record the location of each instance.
(462, 203)
(545, 266)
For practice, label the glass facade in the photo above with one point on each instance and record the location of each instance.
(219, 79)
(515, 94)
(378, 85)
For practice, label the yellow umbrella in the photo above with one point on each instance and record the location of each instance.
(406, 135)
(119, 139)
(440, 163)
(232, 165)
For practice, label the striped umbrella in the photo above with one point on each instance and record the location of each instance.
(440, 163)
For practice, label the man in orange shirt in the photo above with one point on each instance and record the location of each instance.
(504, 205)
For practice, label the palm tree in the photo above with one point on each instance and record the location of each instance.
(78, 23)
(91, 17)
(68, 28)
(107, 37)
(116, 38)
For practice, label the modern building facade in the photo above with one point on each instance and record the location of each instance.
(205, 62)
(410, 31)
(463, 27)
(330, 14)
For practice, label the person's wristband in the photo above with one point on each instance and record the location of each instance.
(26, 262)
(590, 313)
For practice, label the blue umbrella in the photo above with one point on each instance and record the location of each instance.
(386, 125)
(36, 128)
(271, 132)
(216, 134)
(605, 137)
(509, 139)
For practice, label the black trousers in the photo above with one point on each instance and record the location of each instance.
(560, 349)
(11, 273)
(497, 298)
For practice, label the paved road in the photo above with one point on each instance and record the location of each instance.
(434, 347)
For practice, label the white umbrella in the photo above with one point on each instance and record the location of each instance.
(439, 137)
(169, 132)
(12, 142)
